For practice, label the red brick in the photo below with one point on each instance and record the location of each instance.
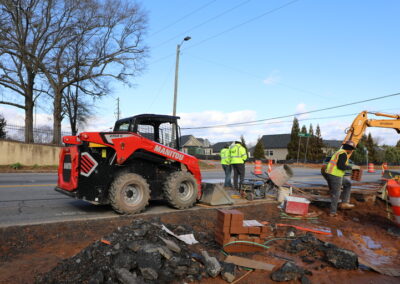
(264, 229)
(255, 230)
(263, 236)
(224, 216)
(237, 217)
(239, 230)
(243, 237)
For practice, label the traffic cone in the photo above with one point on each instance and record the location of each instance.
(393, 188)
(384, 167)
(371, 168)
(269, 166)
(257, 167)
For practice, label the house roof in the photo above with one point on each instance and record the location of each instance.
(275, 141)
(217, 147)
(332, 143)
(185, 139)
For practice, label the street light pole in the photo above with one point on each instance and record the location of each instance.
(178, 50)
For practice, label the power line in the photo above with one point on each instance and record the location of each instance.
(203, 23)
(295, 114)
(245, 23)
(184, 17)
(228, 30)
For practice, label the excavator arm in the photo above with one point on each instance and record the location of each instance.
(361, 122)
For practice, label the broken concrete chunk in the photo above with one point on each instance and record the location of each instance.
(165, 252)
(213, 267)
(126, 277)
(342, 258)
(288, 271)
(171, 245)
(228, 271)
(149, 273)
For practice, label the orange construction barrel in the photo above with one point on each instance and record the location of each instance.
(269, 166)
(257, 167)
(393, 188)
(371, 168)
(384, 167)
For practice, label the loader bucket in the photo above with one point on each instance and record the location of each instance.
(214, 194)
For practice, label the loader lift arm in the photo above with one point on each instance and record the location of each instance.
(361, 122)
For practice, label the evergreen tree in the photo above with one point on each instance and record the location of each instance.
(398, 144)
(370, 144)
(359, 155)
(244, 144)
(3, 125)
(259, 150)
(311, 144)
(294, 140)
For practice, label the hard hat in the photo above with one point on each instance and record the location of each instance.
(349, 145)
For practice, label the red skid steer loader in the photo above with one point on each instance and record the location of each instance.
(140, 160)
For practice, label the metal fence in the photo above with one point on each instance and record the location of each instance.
(41, 135)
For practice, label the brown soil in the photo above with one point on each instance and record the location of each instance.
(27, 251)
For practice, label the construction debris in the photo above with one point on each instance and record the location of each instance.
(142, 252)
(289, 271)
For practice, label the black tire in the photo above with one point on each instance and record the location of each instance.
(129, 193)
(180, 190)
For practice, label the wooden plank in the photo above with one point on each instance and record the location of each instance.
(247, 262)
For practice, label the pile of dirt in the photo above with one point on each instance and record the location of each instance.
(142, 252)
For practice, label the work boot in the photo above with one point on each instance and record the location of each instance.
(332, 214)
(346, 205)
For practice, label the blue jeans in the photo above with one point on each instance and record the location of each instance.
(228, 171)
(335, 185)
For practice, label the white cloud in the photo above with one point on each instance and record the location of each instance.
(272, 78)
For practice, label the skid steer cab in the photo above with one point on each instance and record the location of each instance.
(137, 162)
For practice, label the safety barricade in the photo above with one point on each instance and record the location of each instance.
(371, 168)
(393, 188)
(269, 166)
(257, 167)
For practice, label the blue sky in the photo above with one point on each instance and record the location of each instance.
(248, 61)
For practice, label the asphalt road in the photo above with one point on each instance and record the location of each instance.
(29, 198)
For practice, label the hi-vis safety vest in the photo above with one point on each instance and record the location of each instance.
(225, 157)
(332, 165)
(238, 154)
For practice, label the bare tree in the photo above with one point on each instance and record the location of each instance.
(105, 42)
(23, 27)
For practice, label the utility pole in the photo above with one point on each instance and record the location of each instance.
(298, 149)
(118, 112)
(305, 155)
(178, 50)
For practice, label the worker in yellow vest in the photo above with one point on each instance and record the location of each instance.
(226, 165)
(238, 157)
(335, 171)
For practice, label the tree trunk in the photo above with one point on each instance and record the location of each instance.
(28, 121)
(57, 117)
(29, 107)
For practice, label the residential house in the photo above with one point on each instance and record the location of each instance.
(217, 147)
(275, 146)
(195, 146)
